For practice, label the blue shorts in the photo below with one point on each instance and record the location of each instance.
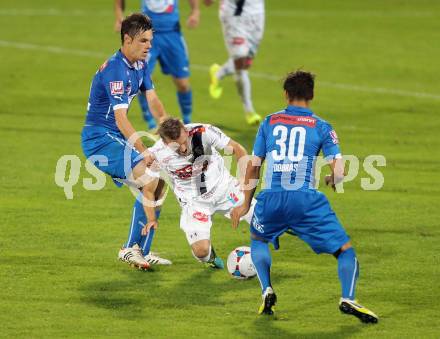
(110, 149)
(170, 49)
(307, 213)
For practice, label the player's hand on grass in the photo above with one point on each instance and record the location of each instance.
(329, 181)
(237, 213)
(208, 2)
(152, 224)
(193, 19)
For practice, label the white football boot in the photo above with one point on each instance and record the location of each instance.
(154, 259)
(133, 256)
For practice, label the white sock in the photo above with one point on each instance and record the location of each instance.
(227, 68)
(244, 89)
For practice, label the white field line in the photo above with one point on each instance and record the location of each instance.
(265, 76)
(276, 13)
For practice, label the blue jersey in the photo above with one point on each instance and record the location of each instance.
(163, 13)
(290, 141)
(114, 86)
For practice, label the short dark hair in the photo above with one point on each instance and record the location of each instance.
(135, 23)
(170, 129)
(299, 85)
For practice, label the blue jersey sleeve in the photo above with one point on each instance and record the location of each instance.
(330, 142)
(260, 142)
(115, 81)
(147, 83)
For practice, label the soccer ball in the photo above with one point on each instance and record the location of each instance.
(240, 264)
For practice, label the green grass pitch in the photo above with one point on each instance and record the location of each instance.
(378, 66)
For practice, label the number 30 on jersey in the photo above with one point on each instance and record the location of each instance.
(295, 147)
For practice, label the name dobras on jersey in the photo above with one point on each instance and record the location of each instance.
(199, 173)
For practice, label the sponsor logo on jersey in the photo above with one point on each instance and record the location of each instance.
(334, 137)
(292, 120)
(200, 216)
(116, 87)
(184, 172)
(238, 41)
(233, 198)
(191, 170)
(199, 129)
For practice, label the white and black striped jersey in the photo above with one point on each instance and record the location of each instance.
(202, 170)
(241, 7)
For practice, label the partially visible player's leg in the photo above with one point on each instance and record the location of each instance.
(138, 244)
(112, 146)
(348, 272)
(333, 239)
(174, 60)
(262, 261)
(184, 98)
(242, 36)
(263, 232)
(197, 227)
(243, 84)
(216, 74)
(146, 241)
(228, 68)
(205, 253)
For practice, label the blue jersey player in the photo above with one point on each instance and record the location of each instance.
(289, 141)
(109, 139)
(169, 48)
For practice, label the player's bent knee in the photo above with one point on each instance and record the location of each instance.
(343, 248)
(201, 250)
(256, 237)
(182, 84)
(346, 246)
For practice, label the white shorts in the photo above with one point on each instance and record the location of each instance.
(242, 34)
(196, 220)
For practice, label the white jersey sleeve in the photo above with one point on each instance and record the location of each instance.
(216, 137)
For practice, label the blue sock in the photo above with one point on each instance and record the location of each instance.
(148, 117)
(148, 239)
(138, 221)
(185, 103)
(262, 260)
(348, 272)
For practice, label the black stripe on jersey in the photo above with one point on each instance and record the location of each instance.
(198, 151)
(239, 9)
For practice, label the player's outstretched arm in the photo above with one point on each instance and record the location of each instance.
(155, 105)
(337, 176)
(119, 14)
(148, 191)
(239, 152)
(251, 178)
(194, 16)
(128, 130)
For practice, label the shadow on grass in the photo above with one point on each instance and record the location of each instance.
(155, 289)
(267, 327)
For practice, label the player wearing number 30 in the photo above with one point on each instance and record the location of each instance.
(289, 141)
